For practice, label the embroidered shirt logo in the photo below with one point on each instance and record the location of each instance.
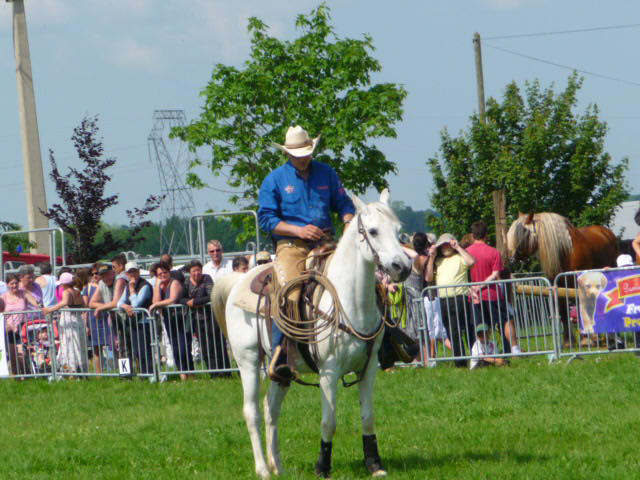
(323, 187)
(289, 189)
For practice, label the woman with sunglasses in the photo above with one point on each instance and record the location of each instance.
(168, 291)
(99, 330)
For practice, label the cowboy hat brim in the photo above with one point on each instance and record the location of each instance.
(300, 151)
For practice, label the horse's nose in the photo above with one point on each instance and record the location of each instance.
(401, 270)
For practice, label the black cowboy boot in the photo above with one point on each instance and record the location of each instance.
(323, 465)
(371, 457)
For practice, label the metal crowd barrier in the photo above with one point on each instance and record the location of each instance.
(24, 346)
(191, 342)
(75, 342)
(516, 313)
(584, 296)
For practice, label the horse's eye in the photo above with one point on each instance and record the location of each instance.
(373, 232)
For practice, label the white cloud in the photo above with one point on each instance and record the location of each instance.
(225, 23)
(127, 53)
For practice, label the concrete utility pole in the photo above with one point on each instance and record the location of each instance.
(499, 203)
(33, 173)
(479, 76)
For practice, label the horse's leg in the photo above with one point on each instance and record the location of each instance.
(329, 388)
(250, 375)
(372, 460)
(243, 339)
(272, 404)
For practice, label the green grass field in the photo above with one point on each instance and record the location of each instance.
(530, 420)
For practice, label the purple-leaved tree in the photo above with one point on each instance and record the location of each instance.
(83, 200)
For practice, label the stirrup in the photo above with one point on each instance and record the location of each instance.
(283, 373)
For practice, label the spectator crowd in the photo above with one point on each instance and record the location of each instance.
(99, 316)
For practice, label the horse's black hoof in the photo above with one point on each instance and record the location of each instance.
(374, 467)
(322, 473)
(323, 465)
(372, 460)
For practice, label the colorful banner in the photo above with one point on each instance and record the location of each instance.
(4, 366)
(609, 301)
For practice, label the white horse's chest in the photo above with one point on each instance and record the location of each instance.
(344, 352)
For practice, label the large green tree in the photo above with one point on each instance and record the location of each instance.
(319, 81)
(535, 146)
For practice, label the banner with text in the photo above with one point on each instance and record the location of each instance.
(609, 301)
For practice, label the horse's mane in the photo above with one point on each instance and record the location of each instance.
(549, 233)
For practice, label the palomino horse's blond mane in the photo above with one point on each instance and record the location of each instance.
(548, 234)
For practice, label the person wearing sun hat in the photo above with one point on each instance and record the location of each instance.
(295, 205)
(449, 265)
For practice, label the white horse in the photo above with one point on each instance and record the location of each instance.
(371, 240)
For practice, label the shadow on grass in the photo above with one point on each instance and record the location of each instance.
(413, 462)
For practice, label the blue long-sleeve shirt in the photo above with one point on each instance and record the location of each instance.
(286, 196)
(140, 299)
(137, 300)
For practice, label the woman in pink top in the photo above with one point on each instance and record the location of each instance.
(16, 300)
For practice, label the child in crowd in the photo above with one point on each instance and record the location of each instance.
(41, 349)
(483, 348)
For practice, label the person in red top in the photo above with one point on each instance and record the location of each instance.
(492, 304)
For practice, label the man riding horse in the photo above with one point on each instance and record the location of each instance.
(295, 204)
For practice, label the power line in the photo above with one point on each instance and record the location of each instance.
(548, 62)
(564, 32)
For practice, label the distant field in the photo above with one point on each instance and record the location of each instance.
(529, 420)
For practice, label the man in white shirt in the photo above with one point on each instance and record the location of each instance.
(216, 268)
(47, 284)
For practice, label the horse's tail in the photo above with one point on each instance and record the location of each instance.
(220, 294)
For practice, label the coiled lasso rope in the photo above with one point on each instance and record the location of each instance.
(321, 325)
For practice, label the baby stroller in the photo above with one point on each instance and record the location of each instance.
(36, 341)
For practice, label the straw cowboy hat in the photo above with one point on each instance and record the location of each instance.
(298, 143)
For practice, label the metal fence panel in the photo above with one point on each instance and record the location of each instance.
(29, 345)
(107, 344)
(191, 342)
(515, 317)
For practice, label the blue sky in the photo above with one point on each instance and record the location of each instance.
(123, 59)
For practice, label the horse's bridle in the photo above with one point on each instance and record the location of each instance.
(365, 238)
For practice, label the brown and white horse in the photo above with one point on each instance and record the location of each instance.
(561, 247)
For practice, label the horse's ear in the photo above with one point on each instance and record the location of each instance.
(385, 197)
(359, 204)
(528, 219)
